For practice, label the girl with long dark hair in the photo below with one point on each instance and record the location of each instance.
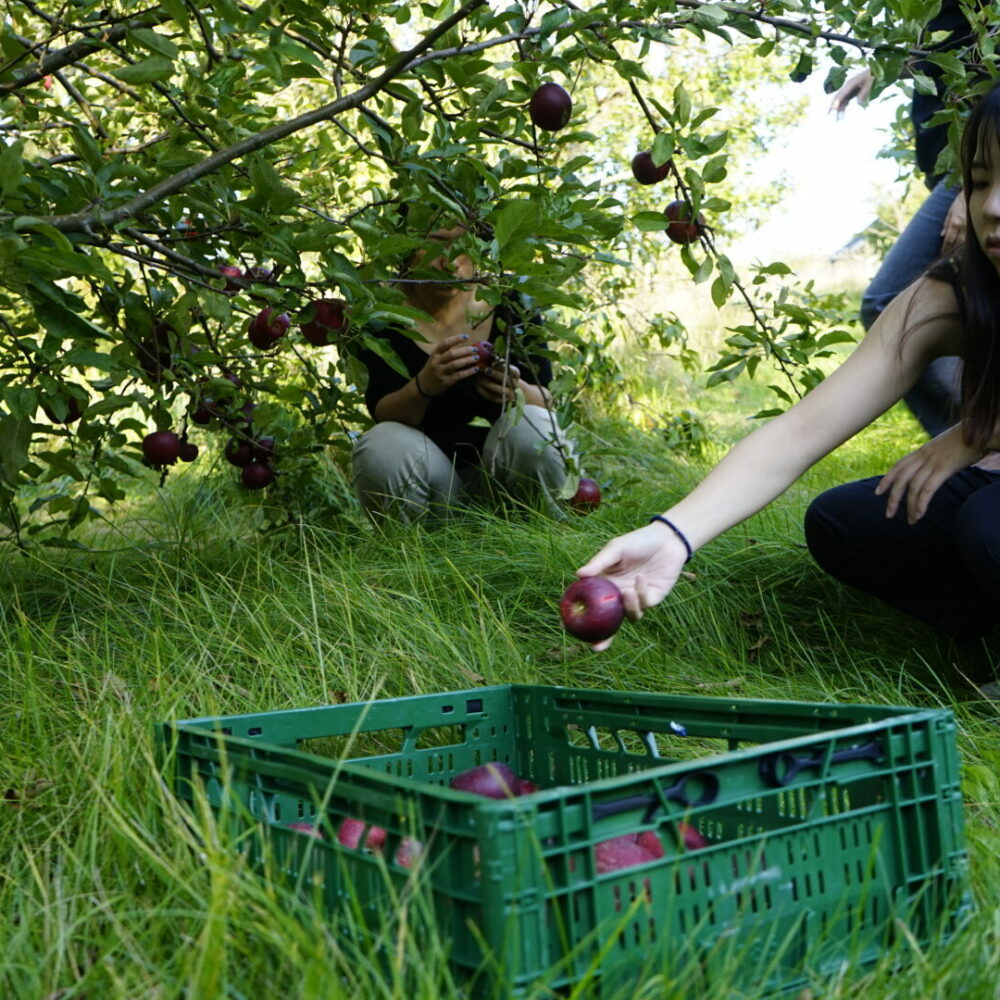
(926, 536)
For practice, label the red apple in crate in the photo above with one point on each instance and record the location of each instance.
(550, 107)
(495, 780)
(350, 830)
(408, 853)
(307, 828)
(592, 609)
(650, 841)
(692, 839)
(620, 852)
(485, 354)
(587, 496)
(328, 318)
(526, 787)
(683, 228)
(645, 171)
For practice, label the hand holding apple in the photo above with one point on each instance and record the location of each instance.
(499, 383)
(592, 609)
(644, 564)
(451, 361)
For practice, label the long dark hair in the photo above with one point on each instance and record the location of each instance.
(980, 289)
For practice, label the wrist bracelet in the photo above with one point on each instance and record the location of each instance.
(677, 531)
(420, 388)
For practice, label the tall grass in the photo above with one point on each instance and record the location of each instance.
(109, 889)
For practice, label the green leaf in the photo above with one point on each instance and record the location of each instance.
(514, 221)
(663, 148)
(682, 104)
(155, 42)
(15, 439)
(649, 222)
(147, 71)
(385, 352)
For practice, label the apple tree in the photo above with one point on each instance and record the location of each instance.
(203, 209)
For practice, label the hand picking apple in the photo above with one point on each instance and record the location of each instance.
(592, 610)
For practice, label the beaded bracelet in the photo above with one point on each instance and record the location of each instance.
(677, 531)
(420, 389)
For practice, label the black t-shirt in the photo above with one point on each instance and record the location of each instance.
(446, 420)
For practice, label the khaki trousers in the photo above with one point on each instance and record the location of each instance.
(399, 472)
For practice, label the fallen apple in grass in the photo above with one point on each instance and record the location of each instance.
(494, 780)
(550, 107)
(350, 831)
(587, 496)
(592, 609)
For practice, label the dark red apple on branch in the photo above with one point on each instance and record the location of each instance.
(239, 453)
(264, 275)
(592, 609)
(550, 107)
(587, 496)
(72, 411)
(683, 227)
(230, 271)
(257, 475)
(328, 317)
(267, 328)
(645, 171)
(161, 448)
(188, 451)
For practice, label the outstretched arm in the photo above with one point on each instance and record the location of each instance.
(645, 563)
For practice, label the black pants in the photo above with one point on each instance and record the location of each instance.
(944, 570)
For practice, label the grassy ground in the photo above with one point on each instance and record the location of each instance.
(109, 890)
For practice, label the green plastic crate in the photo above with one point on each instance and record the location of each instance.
(832, 830)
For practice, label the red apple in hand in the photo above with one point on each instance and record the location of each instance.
(485, 354)
(645, 171)
(495, 780)
(592, 609)
(587, 496)
(683, 228)
(550, 107)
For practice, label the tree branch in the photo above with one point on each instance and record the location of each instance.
(87, 221)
